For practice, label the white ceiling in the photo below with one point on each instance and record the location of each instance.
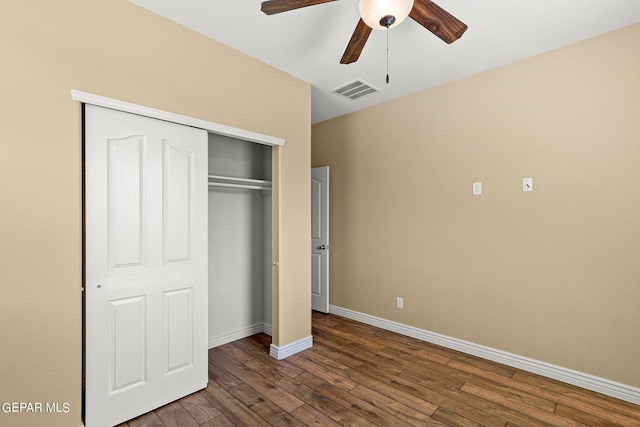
(309, 42)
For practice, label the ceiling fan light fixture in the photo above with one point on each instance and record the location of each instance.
(383, 14)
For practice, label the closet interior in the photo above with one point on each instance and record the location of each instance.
(239, 207)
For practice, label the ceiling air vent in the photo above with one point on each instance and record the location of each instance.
(355, 89)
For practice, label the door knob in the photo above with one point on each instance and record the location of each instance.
(323, 247)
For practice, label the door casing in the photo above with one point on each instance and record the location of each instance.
(320, 239)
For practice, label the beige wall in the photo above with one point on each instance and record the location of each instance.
(554, 274)
(119, 50)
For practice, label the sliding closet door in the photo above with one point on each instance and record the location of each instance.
(146, 264)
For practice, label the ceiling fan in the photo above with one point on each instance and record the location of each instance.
(383, 14)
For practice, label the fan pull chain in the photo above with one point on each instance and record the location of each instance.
(387, 54)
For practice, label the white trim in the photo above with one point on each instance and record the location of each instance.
(101, 101)
(267, 329)
(239, 334)
(290, 349)
(580, 379)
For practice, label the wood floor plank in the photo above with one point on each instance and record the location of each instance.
(328, 352)
(174, 415)
(352, 336)
(428, 368)
(393, 407)
(368, 377)
(330, 376)
(150, 419)
(485, 365)
(449, 418)
(312, 417)
(415, 343)
(570, 391)
(359, 375)
(334, 410)
(199, 408)
(235, 352)
(255, 344)
(448, 388)
(277, 395)
(275, 375)
(311, 398)
(407, 344)
(414, 350)
(273, 414)
(516, 395)
(317, 365)
(220, 375)
(323, 318)
(317, 407)
(369, 412)
(516, 405)
(235, 411)
(262, 362)
(357, 353)
(547, 390)
(402, 388)
(469, 406)
(261, 339)
(586, 419)
(389, 405)
(219, 421)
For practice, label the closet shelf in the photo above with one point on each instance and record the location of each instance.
(244, 183)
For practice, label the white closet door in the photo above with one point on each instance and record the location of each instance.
(146, 264)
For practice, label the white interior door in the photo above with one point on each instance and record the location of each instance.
(146, 264)
(320, 239)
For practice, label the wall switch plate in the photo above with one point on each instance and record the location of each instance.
(477, 188)
(527, 184)
(399, 303)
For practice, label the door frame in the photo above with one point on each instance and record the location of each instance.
(321, 304)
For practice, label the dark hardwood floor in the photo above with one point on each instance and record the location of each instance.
(359, 375)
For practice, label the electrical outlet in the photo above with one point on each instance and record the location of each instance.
(399, 303)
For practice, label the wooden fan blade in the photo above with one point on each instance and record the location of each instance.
(356, 44)
(278, 6)
(437, 20)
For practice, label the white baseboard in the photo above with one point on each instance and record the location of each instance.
(239, 334)
(290, 349)
(580, 379)
(267, 329)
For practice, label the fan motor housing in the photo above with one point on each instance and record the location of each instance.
(387, 20)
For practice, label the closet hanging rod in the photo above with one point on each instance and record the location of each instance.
(243, 186)
(242, 180)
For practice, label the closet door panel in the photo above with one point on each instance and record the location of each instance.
(178, 330)
(146, 264)
(178, 204)
(125, 183)
(127, 343)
